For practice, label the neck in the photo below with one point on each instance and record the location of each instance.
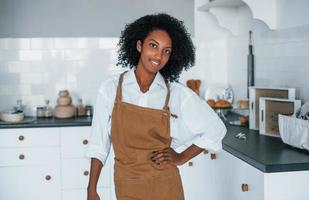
(144, 79)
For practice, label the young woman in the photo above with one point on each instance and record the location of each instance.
(146, 114)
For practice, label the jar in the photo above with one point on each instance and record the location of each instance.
(40, 112)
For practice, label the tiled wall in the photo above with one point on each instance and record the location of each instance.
(36, 69)
(281, 60)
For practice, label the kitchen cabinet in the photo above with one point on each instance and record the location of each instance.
(75, 167)
(30, 164)
(237, 180)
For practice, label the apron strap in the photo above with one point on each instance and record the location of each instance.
(167, 95)
(119, 88)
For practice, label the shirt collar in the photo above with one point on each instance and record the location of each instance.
(130, 79)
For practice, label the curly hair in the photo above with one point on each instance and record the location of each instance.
(183, 51)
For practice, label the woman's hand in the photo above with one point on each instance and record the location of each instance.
(167, 156)
(92, 195)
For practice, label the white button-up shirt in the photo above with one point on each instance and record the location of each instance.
(196, 122)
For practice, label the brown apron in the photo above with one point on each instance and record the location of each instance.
(136, 132)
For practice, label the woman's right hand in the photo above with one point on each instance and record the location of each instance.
(93, 195)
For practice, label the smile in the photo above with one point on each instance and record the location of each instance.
(154, 62)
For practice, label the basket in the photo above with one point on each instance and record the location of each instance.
(294, 131)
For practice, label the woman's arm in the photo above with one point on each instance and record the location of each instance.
(95, 170)
(169, 155)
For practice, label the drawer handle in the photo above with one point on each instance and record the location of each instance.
(21, 138)
(213, 156)
(190, 164)
(244, 187)
(205, 151)
(86, 173)
(48, 177)
(85, 142)
(21, 157)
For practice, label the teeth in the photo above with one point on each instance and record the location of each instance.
(155, 62)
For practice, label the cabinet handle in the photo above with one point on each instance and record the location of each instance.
(213, 156)
(262, 115)
(244, 187)
(85, 141)
(48, 177)
(205, 151)
(86, 173)
(21, 156)
(190, 164)
(21, 138)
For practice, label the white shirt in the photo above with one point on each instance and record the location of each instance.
(196, 122)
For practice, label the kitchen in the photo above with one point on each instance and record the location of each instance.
(36, 61)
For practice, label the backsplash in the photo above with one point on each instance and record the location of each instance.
(281, 60)
(36, 69)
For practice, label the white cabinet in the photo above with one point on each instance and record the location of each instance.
(75, 168)
(29, 164)
(237, 180)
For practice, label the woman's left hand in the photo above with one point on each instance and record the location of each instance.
(166, 156)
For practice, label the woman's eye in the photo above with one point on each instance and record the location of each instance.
(153, 45)
(167, 51)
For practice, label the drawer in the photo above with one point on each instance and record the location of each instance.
(30, 183)
(74, 141)
(81, 194)
(29, 156)
(75, 174)
(29, 137)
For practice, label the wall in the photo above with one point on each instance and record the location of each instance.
(35, 69)
(281, 56)
(82, 18)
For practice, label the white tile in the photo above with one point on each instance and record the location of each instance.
(41, 43)
(19, 44)
(93, 43)
(24, 89)
(3, 44)
(9, 78)
(3, 67)
(39, 66)
(9, 55)
(71, 43)
(30, 55)
(108, 43)
(71, 78)
(31, 78)
(5, 90)
(19, 66)
(48, 55)
(76, 54)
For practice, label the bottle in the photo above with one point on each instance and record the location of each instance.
(81, 111)
(48, 112)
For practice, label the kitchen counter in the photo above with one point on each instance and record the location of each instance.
(49, 122)
(265, 153)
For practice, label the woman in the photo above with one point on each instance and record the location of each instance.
(145, 114)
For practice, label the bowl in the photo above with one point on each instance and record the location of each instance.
(11, 116)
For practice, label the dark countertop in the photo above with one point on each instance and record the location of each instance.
(49, 122)
(265, 153)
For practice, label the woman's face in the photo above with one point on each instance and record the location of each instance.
(155, 51)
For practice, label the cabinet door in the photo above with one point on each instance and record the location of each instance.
(81, 194)
(233, 176)
(228, 177)
(30, 183)
(29, 137)
(196, 177)
(74, 141)
(29, 156)
(75, 174)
